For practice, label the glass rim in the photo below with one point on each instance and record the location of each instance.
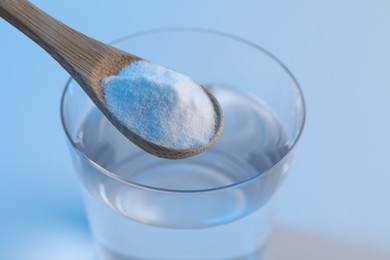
(220, 188)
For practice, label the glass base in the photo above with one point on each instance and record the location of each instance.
(106, 254)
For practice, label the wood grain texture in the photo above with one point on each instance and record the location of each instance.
(88, 61)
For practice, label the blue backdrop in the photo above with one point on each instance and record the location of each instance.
(338, 189)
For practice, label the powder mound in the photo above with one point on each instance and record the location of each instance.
(160, 105)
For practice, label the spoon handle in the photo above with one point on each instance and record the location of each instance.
(81, 56)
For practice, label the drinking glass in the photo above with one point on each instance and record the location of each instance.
(216, 205)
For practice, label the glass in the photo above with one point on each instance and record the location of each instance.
(216, 205)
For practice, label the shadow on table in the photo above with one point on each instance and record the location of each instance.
(290, 244)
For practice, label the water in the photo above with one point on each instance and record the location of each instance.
(157, 221)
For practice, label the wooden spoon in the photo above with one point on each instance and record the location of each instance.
(88, 61)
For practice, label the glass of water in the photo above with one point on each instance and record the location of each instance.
(216, 205)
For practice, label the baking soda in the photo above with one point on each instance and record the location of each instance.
(160, 105)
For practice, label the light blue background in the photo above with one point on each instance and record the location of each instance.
(338, 50)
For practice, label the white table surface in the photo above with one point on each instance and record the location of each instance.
(335, 203)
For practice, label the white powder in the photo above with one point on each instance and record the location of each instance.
(160, 105)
